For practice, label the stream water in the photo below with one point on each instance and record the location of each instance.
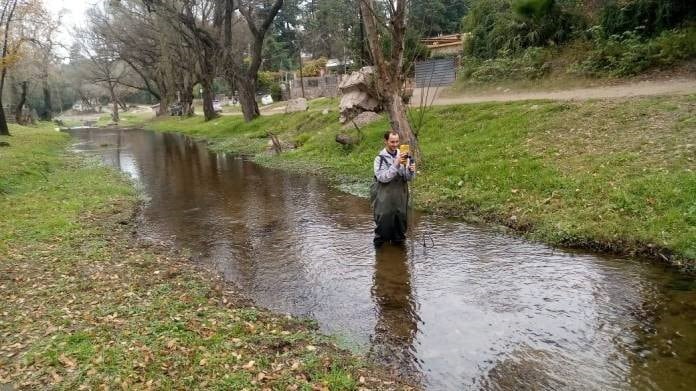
(476, 309)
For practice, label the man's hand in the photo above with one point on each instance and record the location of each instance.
(412, 167)
(401, 158)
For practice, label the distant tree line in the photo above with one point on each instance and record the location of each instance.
(168, 51)
(168, 48)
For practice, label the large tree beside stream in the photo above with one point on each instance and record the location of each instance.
(258, 17)
(210, 28)
(104, 67)
(166, 58)
(385, 27)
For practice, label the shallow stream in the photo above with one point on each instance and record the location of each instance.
(478, 310)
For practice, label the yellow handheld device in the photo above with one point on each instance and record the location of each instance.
(405, 149)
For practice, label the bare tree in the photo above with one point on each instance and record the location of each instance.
(258, 16)
(136, 37)
(45, 28)
(208, 28)
(20, 23)
(191, 23)
(389, 21)
(24, 72)
(103, 66)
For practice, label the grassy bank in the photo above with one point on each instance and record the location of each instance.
(614, 175)
(87, 306)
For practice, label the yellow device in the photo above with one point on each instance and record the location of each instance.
(404, 149)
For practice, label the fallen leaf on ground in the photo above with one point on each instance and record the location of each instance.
(65, 360)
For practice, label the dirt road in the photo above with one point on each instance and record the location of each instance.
(643, 88)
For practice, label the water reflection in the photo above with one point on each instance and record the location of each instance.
(395, 304)
(480, 310)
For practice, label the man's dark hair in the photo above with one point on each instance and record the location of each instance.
(388, 133)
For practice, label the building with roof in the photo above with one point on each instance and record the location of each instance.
(445, 45)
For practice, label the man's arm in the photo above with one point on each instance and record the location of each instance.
(385, 172)
(407, 173)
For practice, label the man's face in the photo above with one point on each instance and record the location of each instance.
(392, 143)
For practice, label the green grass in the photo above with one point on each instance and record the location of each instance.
(126, 118)
(609, 175)
(87, 306)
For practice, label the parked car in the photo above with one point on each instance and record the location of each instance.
(266, 100)
(217, 106)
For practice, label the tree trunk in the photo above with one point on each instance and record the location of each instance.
(301, 75)
(164, 100)
(247, 98)
(163, 106)
(4, 130)
(187, 100)
(208, 110)
(20, 105)
(399, 122)
(114, 101)
(14, 92)
(390, 70)
(246, 76)
(48, 111)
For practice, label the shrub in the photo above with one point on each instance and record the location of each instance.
(498, 26)
(629, 53)
(314, 67)
(645, 17)
(532, 64)
(491, 25)
(267, 81)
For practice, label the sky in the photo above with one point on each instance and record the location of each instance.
(75, 15)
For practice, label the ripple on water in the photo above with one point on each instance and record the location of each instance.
(479, 309)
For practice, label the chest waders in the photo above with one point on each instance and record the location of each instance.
(390, 206)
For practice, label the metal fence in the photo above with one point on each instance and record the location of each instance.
(436, 73)
(315, 87)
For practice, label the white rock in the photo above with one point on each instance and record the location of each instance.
(298, 104)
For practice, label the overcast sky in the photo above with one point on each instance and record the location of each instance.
(75, 14)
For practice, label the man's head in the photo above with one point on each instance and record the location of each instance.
(391, 140)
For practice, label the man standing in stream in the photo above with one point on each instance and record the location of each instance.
(389, 192)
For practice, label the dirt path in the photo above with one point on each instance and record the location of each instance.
(443, 97)
(93, 118)
(643, 88)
